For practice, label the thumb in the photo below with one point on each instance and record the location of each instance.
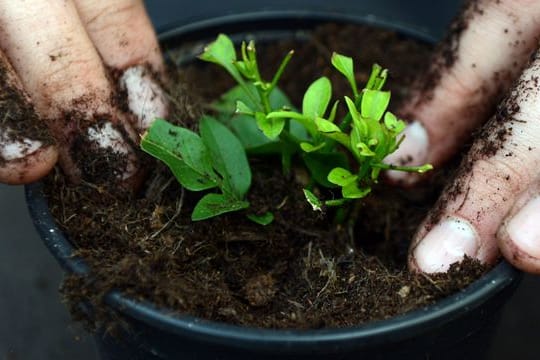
(488, 46)
(502, 164)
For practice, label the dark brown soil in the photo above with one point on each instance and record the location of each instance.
(294, 273)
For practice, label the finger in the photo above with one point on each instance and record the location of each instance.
(125, 39)
(27, 151)
(519, 236)
(487, 48)
(63, 74)
(502, 164)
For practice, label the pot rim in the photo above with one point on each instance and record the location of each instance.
(502, 278)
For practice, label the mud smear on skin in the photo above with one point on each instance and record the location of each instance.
(294, 273)
(18, 114)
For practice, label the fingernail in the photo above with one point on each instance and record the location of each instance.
(448, 242)
(524, 230)
(413, 151)
(107, 137)
(146, 99)
(13, 147)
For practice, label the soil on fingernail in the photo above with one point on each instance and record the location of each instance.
(17, 114)
(98, 164)
(294, 273)
(88, 160)
(120, 98)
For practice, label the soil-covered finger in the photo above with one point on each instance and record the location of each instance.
(486, 48)
(27, 150)
(127, 43)
(70, 87)
(519, 235)
(501, 165)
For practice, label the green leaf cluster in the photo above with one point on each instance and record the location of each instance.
(257, 118)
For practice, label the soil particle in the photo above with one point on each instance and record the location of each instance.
(260, 290)
(293, 273)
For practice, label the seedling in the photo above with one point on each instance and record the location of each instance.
(256, 117)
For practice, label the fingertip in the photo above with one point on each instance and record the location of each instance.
(29, 168)
(519, 237)
(447, 242)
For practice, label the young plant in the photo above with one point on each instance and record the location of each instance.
(215, 159)
(257, 117)
(368, 132)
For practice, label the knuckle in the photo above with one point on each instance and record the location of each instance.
(112, 14)
(501, 178)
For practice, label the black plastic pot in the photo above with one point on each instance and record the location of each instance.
(458, 327)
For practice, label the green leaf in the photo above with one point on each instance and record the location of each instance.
(317, 98)
(352, 191)
(184, 153)
(242, 108)
(377, 78)
(326, 126)
(341, 138)
(336, 202)
(228, 156)
(374, 104)
(245, 127)
(264, 219)
(344, 65)
(303, 120)
(313, 200)
(357, 120)
(393, 123)
(307, 147)
(271, 127)
(222, 52)
(341, 176)
(320, 165)
(216, 204)
(242, 68)
(364, 149)
(333, 112)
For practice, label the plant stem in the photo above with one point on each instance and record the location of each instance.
(280, 70)
(418, 169)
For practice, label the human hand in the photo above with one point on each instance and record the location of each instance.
(79, 85)
(494, 203)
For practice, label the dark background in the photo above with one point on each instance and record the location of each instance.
(33, 322)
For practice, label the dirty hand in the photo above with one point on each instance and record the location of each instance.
(494, 203)
(78, 84)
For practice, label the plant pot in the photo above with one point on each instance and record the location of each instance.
(459, 326)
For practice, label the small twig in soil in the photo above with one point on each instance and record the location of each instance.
(330, 272)
(179, 205)
(296, 304)
(177, 246)
(245, 236)
(100, 190)
(298, 229)
(308, 265)
(157, 187)
(432, 282)
(282, 203)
